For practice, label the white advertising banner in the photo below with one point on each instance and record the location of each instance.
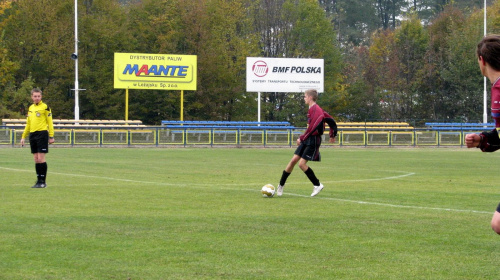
(284, 74)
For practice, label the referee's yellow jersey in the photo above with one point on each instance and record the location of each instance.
(39, 119)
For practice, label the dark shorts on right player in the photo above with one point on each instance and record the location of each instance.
(309, 148)
(39, 142)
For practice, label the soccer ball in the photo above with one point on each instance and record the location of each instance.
(268, 190)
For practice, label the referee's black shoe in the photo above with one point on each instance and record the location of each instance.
(39, 186)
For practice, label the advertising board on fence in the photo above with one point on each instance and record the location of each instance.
(155, 71)
(284, 74)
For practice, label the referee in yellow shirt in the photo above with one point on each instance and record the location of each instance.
(40, 128)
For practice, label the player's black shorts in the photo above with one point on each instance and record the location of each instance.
(309, 148)
(39, 142)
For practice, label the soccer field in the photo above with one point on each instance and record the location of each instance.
(197, 213)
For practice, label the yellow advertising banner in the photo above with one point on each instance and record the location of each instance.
(155, 71)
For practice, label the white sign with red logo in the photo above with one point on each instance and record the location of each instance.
(284, 74)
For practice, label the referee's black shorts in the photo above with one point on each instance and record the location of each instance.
(39, 142)
(309, 148)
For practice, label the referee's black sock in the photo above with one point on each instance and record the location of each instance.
(284, 176)
(38, 172)
(310, 174)
(43, 171)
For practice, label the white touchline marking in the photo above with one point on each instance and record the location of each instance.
(291, 194)
(392, 205)
(375, 179)
(97, 177)
(197, 184)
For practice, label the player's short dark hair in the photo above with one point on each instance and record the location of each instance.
(312, 93)
(489, 49)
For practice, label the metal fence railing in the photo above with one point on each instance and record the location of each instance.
(254, 136)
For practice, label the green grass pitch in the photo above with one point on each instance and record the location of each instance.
(197, 213)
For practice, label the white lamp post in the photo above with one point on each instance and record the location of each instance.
(485, 93)
(75, 57)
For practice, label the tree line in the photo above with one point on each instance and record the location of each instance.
(384, 59)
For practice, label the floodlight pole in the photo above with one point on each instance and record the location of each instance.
(77, 86)
(485, 93)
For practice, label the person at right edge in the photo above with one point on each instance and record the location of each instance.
(488, 55)
(309, 142)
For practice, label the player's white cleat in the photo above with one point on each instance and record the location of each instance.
(280, 190)
(316, 190)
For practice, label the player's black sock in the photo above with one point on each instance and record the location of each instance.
(310, 174)
(43, 172)
(284, 176)
(38, 171)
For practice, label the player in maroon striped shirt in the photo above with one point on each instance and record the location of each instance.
(309, 142)
(488, 55)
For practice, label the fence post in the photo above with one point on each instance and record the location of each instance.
(462, 136)
(265, 137)
(212, 137)
(366, 136)
(157, 136)
(414, 136)
(185, 137)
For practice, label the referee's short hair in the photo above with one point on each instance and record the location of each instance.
(36, 90)
(312, 93)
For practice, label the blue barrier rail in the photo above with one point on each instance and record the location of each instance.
(459, 126)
